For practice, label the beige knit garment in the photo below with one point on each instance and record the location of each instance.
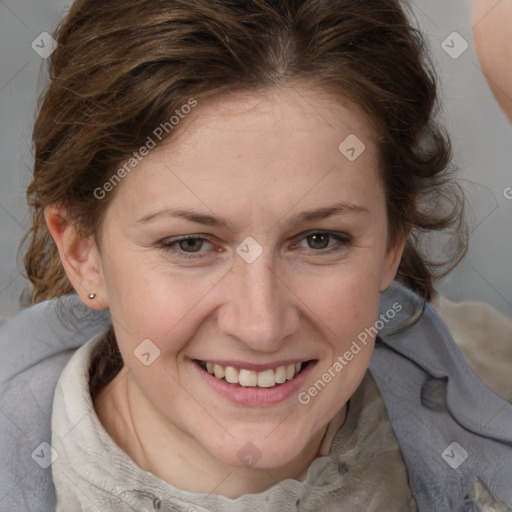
(364, 471)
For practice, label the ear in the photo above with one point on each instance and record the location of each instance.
(80, 258)
(391, 263)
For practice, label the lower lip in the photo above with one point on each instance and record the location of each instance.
(254, 396)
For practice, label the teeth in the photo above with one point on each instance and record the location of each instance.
(218, 371)
(281, 374)
(248, 378)
(265, 379)
(231, 375)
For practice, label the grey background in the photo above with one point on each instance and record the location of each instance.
(481, 135)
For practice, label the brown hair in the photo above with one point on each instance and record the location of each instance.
(123, 67)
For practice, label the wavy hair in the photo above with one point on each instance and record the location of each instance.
(122, 67)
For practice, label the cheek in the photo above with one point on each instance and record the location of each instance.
(346, 297)
(350, 312)
(147, 301)
(348, 306)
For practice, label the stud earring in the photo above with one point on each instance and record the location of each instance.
(92, 295)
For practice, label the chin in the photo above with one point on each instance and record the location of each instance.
(262, 453)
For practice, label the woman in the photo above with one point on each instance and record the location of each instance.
(234, 187)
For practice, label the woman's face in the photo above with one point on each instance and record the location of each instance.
(252, 241)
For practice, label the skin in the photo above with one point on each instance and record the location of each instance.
(257, 161)
(491, 21)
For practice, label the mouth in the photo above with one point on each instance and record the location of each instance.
(256, 386)
(250, 385)
(244, 377)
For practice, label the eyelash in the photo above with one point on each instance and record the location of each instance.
(172, 244)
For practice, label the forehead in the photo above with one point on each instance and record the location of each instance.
(267, 146)
(271, 115)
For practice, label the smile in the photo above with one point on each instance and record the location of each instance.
(244, 377)
(251, 385)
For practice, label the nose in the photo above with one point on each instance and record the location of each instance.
(260, 310)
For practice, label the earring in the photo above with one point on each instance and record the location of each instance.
(92, 295)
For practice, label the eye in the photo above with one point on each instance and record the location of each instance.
(318, 240)
(324, 242)
(200, 246)
(190, 246)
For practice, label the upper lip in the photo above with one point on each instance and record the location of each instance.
(245, 365)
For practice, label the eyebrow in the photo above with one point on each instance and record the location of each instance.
(220, 222)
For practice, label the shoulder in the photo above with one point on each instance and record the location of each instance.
(484, 336)
(442, 411)
(35, 345)
(43, 330)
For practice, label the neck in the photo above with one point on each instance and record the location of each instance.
(172, 455)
